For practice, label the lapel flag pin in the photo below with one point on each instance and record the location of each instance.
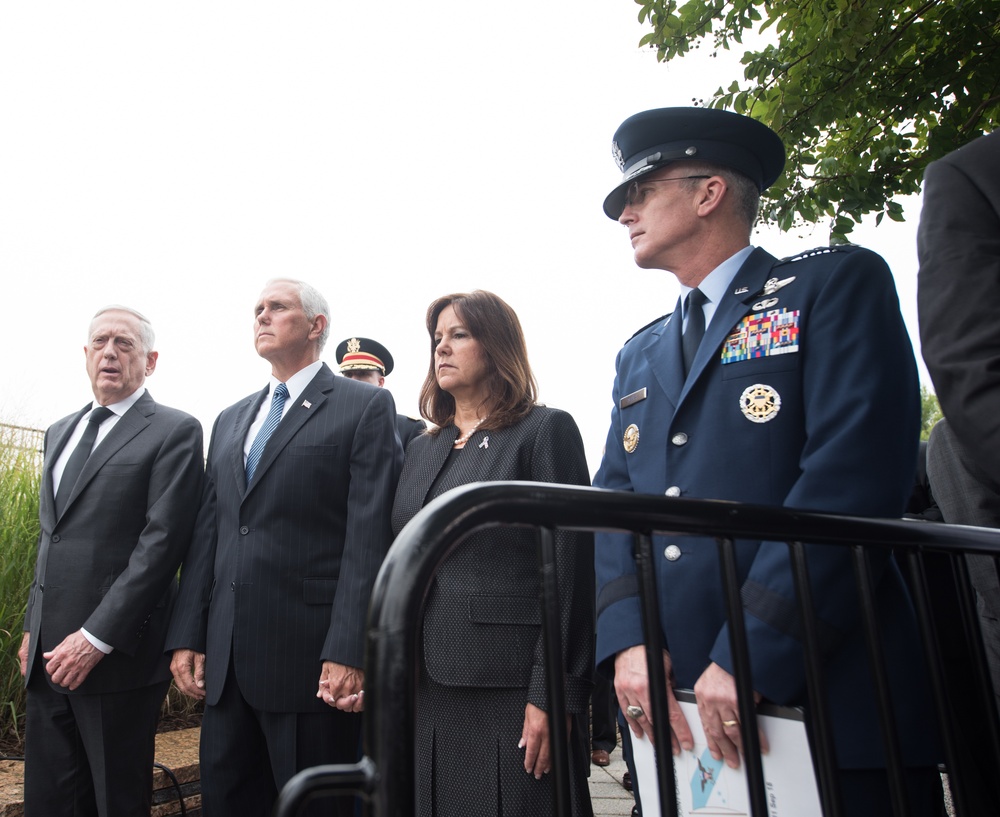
(307, 404)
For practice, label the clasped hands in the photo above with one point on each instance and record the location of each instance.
(715, 692)
(339, 686)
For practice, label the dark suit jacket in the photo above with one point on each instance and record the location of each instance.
(966, 495)
(482, 623)
(280, 571)
(109, 563)
(842, 368)
(408, 428)
(958, 245)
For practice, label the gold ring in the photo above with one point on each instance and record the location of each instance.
(730, 723)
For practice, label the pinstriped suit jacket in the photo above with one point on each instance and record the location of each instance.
(281, 570)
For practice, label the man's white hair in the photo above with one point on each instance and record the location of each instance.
(313, 303)
(146, 335)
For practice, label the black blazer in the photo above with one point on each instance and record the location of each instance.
(109, 563)
(481, 622)
(958, 245)
(281, 570)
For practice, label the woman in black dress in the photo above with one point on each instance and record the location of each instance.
(482, 731)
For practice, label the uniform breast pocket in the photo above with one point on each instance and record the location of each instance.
(759, 367)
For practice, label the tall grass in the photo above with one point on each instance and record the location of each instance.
(20, 478)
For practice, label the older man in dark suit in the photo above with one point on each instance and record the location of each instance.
(293, 527)
(120, 490)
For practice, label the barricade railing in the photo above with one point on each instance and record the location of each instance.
(385, 777)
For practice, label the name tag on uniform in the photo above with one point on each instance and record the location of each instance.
(633, 398)
(763, 334)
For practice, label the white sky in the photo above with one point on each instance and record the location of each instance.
(174, 156)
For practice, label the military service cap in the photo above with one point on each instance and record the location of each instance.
(363, 353)
(653, 139)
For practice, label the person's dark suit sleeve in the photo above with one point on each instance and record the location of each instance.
(558, 456)
(958, 246)
(376, 459)
(175, 482)
(189, 622)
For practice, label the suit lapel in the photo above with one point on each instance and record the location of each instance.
(244, 419)
(663, 353)
(315, 394)
(751, 278)
(131, 423)
(434, 459)
(59, 437)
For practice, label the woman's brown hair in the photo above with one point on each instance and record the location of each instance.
(510, 383)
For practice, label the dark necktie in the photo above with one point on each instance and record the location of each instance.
(270, 423)
(74, 465)
(695, 329)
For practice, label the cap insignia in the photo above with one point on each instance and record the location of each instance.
(353, 346)
(617, 153)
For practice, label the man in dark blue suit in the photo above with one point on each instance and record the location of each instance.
(270, 623)
(789, 383)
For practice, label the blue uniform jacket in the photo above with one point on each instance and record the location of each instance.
(803, 394)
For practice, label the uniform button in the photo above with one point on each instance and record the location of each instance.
(56, 537)
(673, 553)
(232, 586)
(673, 490)
(680, 438)
(244, 530)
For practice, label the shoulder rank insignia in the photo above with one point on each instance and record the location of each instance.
(763, 334)
(817, 251)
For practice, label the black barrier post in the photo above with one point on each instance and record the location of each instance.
(876, 660)
(645, 566)
(555, 673)
(744, 680)
(818, 720)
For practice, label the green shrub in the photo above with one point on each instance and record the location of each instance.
(20, 478)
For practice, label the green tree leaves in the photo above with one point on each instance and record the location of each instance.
(863, 94)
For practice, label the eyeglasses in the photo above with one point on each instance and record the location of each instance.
(637, 191)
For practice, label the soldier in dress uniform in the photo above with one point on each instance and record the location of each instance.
(777, 382)
(369, 361)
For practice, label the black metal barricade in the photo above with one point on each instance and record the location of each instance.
(385, 776)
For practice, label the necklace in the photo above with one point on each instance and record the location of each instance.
(468, 434)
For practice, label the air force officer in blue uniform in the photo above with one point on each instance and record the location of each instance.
(778, 382)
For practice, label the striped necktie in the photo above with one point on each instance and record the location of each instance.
(270, 423)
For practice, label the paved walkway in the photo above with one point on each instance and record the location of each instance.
(606, 792)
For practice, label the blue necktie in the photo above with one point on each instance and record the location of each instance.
(695, 329)
(270, 423)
